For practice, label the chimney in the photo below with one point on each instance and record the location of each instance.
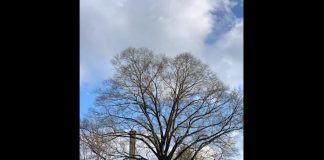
(132, 144)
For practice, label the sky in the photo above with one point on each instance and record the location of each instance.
(211, 30)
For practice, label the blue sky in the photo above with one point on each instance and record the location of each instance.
(224, 25)
(209, 29)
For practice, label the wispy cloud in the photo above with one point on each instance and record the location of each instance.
(165, 26)
(225, 56)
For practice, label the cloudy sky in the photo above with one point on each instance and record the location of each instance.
(212, 30)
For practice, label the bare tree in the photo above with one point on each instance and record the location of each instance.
(225, 150)
(175, 105)
(186, 154)
(94, 144)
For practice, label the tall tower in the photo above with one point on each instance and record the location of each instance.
(132, 143)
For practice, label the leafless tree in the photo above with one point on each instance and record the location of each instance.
(94, 144)
(175, 104)
(225, 150)
(186, 154)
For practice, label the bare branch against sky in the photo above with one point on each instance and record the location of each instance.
(210, 30)
(175, 104)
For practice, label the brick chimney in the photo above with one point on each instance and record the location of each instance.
(132, 143)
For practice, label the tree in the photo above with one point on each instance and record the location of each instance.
(93, 145)
(175, 104)
(227, 151)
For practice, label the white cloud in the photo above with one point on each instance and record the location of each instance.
(239, 144)
(240, 147)
(170, 27)
(165, 26)
(226, 55)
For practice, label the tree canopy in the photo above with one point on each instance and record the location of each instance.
(177, 105)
